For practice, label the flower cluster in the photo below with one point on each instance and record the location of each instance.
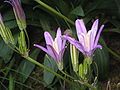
(87, 42)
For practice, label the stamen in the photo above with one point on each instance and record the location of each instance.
(55, 46)
(87, 42)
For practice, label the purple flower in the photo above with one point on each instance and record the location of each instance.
(88, 41)
(54, 48)
(19, 13)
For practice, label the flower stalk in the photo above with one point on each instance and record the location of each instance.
(74, 57)
(85, 69)
(22, 44)
(58, 75)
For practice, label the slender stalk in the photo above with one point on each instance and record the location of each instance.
(19, 83)
(54, 11)
(28, 40)
(86, 84)
(11, 83)
(20, 73)
(7, 71)
(46, 68)
(67, 75)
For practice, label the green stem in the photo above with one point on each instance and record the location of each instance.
(9, 66)
(86, 84)
(67, 75)
(54, 11)
(46, 68)
(19, 83)
(28, 40)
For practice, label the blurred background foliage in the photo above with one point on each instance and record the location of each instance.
(48, 15)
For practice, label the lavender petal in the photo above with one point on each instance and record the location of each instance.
(61, 54)
(48, 38)
(52, 52)
(59, 39)
(42, 48)
(98, 46)
(63, 43)
(94, 32)
(81, 30)
(75, 43)
(98, 35)
(80, 27)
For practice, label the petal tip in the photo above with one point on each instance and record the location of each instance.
(58, 30)
(45, 33)
(34, 44)
(101, 47)
(78, 20)
(97, 20)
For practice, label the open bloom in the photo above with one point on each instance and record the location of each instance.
(88, 41)
(54, 48)
(19, 13)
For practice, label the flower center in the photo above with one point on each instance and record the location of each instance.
(55, 46)
(87, 42)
